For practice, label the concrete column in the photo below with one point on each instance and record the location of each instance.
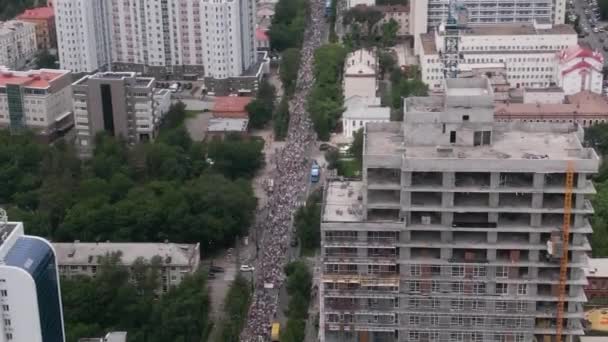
(406, 179)
(448, 179)
(405, 253)
(579, 220)
(536, 220)
(406, 198)
(446, 236)
(492, 237)
(491, 254)
(581, 180)
(579, 201)
(446, 253)
(537, 200)
(493, 200)
(534, 238)
(533, 255)
(494, 180)
(493, 217)
(577, 239)
(539, 180)
(405, 236)
(447, 199)
(362, 252)
(361, 236)
(447, 218)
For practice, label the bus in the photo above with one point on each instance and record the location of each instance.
(275, 332)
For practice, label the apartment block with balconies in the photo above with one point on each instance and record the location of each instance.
(454, 232)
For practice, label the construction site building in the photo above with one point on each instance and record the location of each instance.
(454, 232)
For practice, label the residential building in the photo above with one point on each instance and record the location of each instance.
(361, 110)
(39, 100)
(117, 103)
(264, 14)
(229, 115)
(83, 34)
(353, 3)
(360, 74)
(83, 258)
(30, 294)
(44, 19)
(579, 69)
(499, 11)
(584, 109)
(263, 41)
(528, 52)
(113, 336)
(597, 276)
(398, 13)
(445, 238)
(17, 43)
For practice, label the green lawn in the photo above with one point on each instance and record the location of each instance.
(349, 168)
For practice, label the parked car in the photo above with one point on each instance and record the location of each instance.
(216, 269)
(247, 268)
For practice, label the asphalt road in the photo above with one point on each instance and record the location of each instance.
(593, 38)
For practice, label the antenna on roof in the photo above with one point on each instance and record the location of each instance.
(3, 218)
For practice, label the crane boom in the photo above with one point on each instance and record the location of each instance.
(563, 267)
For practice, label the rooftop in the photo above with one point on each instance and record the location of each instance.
(147, 82)
(366, 108)
(45, 12)
(31, 79)
(6, 230)
(516, 30)
(231, 106)
(578, 105)
(261, 35)
(392, 8)
(598, 267)
(87, 253)
(13, 25)
(343, 201)
(384, 138)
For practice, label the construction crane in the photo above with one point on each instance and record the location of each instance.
(563, 266)
(457, 21)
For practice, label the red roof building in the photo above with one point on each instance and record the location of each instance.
(231, 107)
(580, 69)
(44, 18)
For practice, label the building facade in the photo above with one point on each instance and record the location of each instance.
(579, 69)
(597, 276)
(500, 11)
(44, 19)
(398, 13)
(117, 103)
(360, 111)
(211, 38)
(527, 52)
(39, 100)
(360, 74)
(175, 260)
(83, 34)
(30, 295)
(17, 43)
(445, 238)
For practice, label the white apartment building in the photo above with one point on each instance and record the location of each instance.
(527, 52)
(498, 11)
(84, 258)
(30, 294)
(360, 111)
(17, 43)
(360, 74)
(579, 69)
(214, 38)
(40, 100)
(83, 36)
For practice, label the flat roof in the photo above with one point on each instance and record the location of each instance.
(6, 230)
(578, 105)
(365, 108)
(516, 30)
(45, 12)
(31, 79)
(385, 138)
(231, 106)
(86, 253)
(598, 267)
(343, 201)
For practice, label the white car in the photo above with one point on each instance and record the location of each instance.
(247, 268)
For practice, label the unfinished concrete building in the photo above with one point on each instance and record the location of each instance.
(447, 236)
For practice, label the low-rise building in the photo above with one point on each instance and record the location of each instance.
(17, 43)
(584, 108)
(353, 3)
(39, 100)
(579, 69)
(113, 336)
(360, 72)
(597, 277)
(44, 19)
(399, 13)
(263, 41)
(361, 110)
(84, 258)
(528, 52)
(229, 115)
(118, 103)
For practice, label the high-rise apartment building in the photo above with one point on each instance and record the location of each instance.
(211, 38)
(450, 235)
(118, 103)
(30, 296)
(39, 100)
(83, 36)
(498, 11)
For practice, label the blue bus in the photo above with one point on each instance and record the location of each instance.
(328, 8)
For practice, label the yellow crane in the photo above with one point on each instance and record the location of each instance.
(563, 267)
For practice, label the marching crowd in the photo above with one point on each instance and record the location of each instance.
(290, 174)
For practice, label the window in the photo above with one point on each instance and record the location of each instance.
(434, 320)
(5, 307)
(414, 303)
(435, 287)
(478, 305)
(458, 287)
(414, 320)
(501, 272)
(457, 337)
(479, 271)
(435, 304)
(7, 322)
(501, 306)
(413, 336)
(452, 137)
(522, 289)
(522, 306)
(486, 137)
(465, 118)
(3, 293)
(519, 338)
(458, 271)
(434, 336)
(501, 289)
(414, 286)
(457, 304)
(457, 321)
(479, 288)
(415, 270)
(9, 336)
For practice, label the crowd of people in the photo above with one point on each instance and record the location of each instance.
(291, 166)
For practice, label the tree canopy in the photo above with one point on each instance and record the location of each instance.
(325, 101)
(261, 108)
(299, 283)
(288, 23)
(147, 192)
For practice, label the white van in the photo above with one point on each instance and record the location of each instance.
(174, 87)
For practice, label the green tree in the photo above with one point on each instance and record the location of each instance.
(288, 23)
(288, 71)
(356, 148)
(308, 224)
(386, 62)
(261, 108)
(237, 157)
(389, 33)
(596, 136)
(281, 119)
(236, 305)
(44, 60)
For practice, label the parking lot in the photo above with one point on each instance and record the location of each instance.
(592, 29)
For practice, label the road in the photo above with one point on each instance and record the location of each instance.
(597, 40)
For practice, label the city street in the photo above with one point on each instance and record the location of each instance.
(597, 40)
